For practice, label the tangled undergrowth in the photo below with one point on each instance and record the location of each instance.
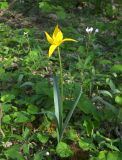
(27, 129)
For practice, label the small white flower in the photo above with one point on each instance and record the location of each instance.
(47, 153)
(89, 30)
(96, 30)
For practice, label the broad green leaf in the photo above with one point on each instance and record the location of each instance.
(42, 138)
(72, 135)
(7, 97)
(32, 109)
(22, 117)
(113, 156)
(117, 68)
(6, 119)
(14, 153)
(3, 5)
(87, 106)
(118, 100)
(25, 148)
(63, 150)
(6, 107)
(105, 155)
(102, 155)
(86, 145)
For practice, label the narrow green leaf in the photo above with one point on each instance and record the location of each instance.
(105, 93)
(57, 103)
(26, 84)
(70, 113)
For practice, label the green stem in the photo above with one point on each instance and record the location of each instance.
(88, 44)
(61, 74)
(61, 83)
(1, 131)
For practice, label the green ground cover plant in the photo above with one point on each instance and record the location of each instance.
(32, 85)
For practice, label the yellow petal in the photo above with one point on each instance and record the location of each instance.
(52, 49)
(56, 30)
(50, 40)
(59, 37)
(57, 34)
(69, 39)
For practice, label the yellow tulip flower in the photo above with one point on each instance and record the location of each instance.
(56, 40)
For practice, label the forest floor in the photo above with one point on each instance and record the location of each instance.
(94, 62)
